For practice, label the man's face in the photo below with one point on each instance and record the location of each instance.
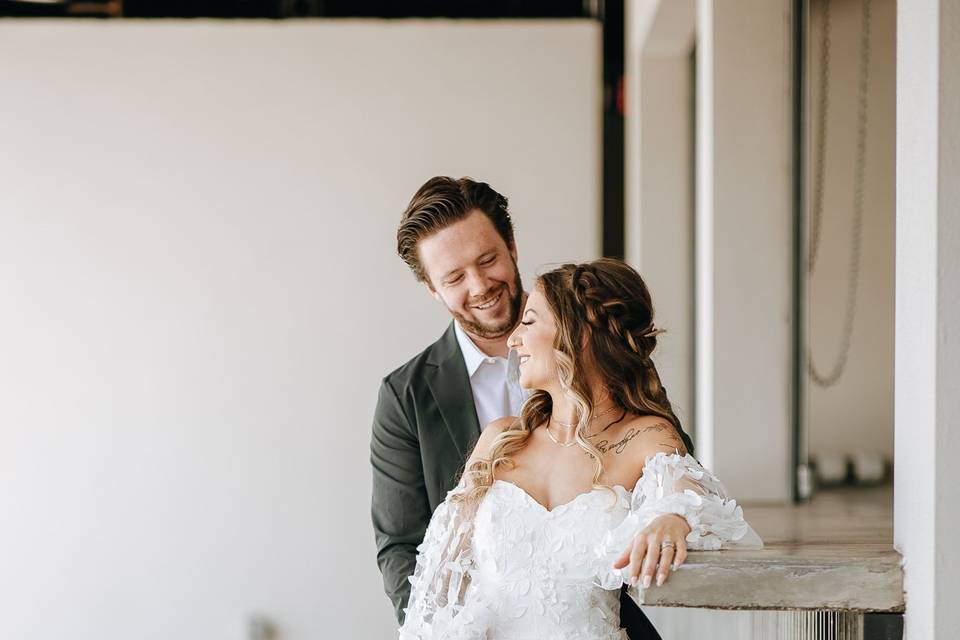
(472, 271)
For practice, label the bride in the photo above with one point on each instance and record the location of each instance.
(594, 485)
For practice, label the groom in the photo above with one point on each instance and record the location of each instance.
(457, 237)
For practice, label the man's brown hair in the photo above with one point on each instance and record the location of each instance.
(440, 202)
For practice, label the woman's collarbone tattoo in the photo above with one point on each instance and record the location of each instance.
(663, 429)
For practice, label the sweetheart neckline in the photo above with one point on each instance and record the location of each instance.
(529, 497)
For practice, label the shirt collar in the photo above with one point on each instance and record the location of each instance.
(472, 356)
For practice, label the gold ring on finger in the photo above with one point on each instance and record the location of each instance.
(666, 543)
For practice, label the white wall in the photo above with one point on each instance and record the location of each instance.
(200, 295)
(927, 409)
(744, 226)
(857, 412)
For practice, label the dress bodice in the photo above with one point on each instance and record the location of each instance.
(536, 568)
(507, 568)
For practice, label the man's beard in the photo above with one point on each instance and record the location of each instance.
(490, 332)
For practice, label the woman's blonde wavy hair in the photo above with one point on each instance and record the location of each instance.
(606, 305)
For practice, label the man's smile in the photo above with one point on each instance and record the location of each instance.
(489, 304)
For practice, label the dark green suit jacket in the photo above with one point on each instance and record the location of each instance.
(424, 428)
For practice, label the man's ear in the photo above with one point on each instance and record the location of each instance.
(513, 251)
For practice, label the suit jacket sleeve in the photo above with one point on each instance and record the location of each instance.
(399, 505)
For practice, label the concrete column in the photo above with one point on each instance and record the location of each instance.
(743, 239)
(927, 378)
(659, 180)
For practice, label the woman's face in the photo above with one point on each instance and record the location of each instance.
(533, 341)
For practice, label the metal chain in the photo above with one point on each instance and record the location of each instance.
(827, 380)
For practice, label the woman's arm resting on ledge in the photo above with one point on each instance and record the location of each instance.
(676, 501)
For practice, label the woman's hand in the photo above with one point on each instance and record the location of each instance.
(651, 548)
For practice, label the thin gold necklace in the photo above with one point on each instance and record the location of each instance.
(562, 444)
(568, 425)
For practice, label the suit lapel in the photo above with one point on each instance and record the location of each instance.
(450, 386)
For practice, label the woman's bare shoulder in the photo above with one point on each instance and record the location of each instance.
(489, 434)
(657, 428)
(500, 425)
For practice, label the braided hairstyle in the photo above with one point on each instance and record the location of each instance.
(604, 318)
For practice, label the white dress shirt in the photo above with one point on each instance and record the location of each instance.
(494, 393)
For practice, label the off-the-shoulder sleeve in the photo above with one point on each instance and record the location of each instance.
(441, 604)
(675, 484)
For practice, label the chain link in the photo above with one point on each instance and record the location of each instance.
(853, 280)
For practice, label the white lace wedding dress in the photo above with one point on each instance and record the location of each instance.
(513, 570)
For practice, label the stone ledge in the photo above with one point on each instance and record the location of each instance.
(847, 577)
